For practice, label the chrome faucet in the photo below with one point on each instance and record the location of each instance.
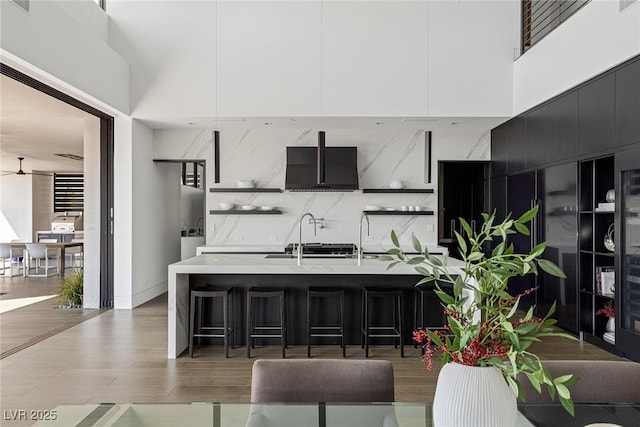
(360, 251)
(315, 233)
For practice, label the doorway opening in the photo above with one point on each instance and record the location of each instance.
(463, 188)
(104, 133)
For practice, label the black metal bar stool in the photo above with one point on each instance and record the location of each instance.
(265, 331)
(325, 330)
(422, 316)
(197, 328)
(370, 329)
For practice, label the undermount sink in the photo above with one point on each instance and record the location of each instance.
(309, 256)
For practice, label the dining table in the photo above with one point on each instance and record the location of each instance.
(396, 414)
(60, 246)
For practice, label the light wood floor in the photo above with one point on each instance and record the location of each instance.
(121, 356)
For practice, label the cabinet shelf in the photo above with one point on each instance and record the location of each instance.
(399, 191)
(609, 254)
(588, 292)
(245, 190)
(398, 212)
(245, 212)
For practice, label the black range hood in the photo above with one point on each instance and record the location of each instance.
(321, 168)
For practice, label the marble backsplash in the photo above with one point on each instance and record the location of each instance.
(383, 156)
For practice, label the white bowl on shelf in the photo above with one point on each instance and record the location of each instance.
(246, 183)
(248, 207)
(266, 208)
(226, 206)
(372, 208)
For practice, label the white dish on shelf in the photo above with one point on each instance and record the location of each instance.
(266, 208)
(390, 209)
(226, 206)
(248, 207)
(372, 208)
(246, 183)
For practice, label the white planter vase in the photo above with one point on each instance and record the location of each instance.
(473, 396)
(611, 325)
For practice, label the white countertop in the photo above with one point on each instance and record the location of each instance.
(259, 264)
(279, 249)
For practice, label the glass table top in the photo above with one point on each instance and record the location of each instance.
(395, 414)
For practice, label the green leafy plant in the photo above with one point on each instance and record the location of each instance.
(70, 289)
(484, 326)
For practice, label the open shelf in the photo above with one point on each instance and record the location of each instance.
(245, 190)
(245, 212)
(398, 212)
(400, 190)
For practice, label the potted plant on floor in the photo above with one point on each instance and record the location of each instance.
(485, 345)
(70, 290)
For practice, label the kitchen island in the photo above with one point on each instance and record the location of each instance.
(243, 271)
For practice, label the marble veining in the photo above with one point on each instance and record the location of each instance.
(260, 154)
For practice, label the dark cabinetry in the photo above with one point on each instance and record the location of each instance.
(592, 133)
(516, 144)
(499, 150)
(538, 138)
(554, 190)
(563, 127)
(596, 118)
(628, 104)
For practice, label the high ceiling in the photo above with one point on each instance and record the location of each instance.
(37, 126)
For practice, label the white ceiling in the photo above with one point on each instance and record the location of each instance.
(36, 126)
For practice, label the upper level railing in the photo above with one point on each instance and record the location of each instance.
(540, 17)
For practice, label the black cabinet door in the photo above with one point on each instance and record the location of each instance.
(596, 115)
(537, 145)
(563, 127)
(628, 104)
(558, 227)
(521, 196)
(499, 197)
(499, 151)
(517, 144)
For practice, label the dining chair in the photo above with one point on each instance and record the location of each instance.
(76, 254)
(13, 257)
(322, 381)
(39, 252)
(600, 381)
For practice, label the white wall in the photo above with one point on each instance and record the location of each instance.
(156, 218)
(383, 155)
(50, 39)
(16, 203)
(594, 39)
(311, 58)
(123, 213)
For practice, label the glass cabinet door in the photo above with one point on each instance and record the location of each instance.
(630, 251)
(628, 237)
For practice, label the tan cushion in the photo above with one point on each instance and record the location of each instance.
(322, 380)
(601, 381)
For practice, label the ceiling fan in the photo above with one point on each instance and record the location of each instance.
(21, 172)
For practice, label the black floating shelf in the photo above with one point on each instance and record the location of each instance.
(398, 212)
(245, 190)
(401, 190)
(245, 212)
